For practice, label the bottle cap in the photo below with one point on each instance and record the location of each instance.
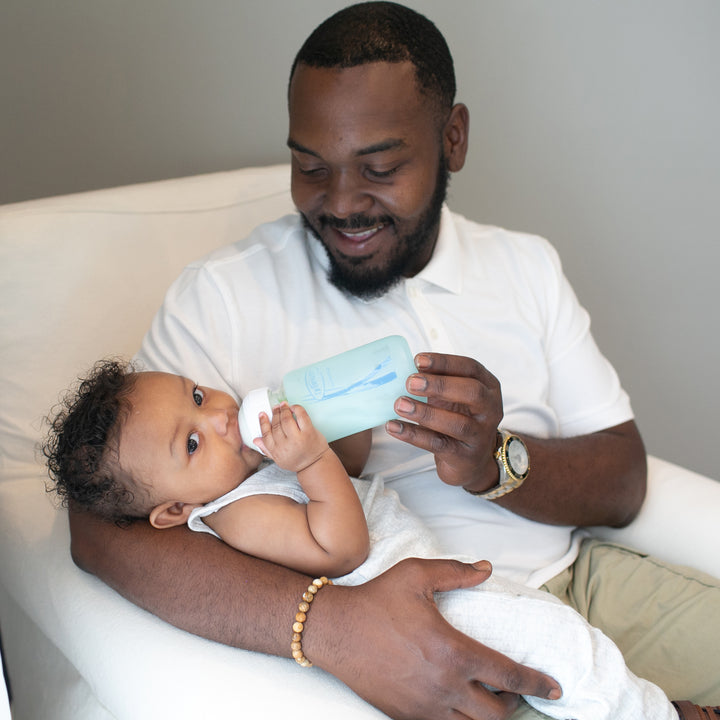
(255, 402)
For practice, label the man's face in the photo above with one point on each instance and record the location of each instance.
(368, 171)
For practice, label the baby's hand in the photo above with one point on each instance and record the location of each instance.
(291, 440)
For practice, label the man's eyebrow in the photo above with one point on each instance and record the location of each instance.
(390, 144)
(301, 148)
(383, 146)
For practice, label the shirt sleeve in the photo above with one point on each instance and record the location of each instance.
(584, 388)
(191, 334)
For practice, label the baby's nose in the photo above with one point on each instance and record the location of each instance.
(219, 420)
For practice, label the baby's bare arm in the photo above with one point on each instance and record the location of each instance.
(328, 535)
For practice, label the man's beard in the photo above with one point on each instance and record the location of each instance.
(368, 283)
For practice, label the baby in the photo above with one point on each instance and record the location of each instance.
(131, 444)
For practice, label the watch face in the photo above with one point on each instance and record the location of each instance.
(517, 456)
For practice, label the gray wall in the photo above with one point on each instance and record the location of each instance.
(593, 123)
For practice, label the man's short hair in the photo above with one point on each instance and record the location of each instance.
(383, 32)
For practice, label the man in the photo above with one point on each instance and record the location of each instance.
(374, 133)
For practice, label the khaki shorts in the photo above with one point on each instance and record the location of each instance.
(664, 618)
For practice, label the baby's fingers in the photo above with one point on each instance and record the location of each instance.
(300, 417)
(264, 423)
(265, 443)
(284, 421)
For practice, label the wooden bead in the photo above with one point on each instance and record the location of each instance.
(301, 617)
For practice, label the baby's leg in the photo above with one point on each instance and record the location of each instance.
(534, 628)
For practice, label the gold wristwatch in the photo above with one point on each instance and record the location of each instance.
(513, 461)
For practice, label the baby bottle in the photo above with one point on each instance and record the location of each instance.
(343, 394)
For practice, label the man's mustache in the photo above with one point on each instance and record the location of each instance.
(353, 222)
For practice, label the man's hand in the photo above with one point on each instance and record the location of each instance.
(593, 479)
(393, 648)
(458, 423)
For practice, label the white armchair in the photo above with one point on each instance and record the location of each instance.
(80, 278)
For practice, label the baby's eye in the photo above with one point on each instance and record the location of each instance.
(193, 442)
(198, 395)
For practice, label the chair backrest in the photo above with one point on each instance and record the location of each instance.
(82, 275)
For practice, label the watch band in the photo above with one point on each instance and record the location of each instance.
(509, 479)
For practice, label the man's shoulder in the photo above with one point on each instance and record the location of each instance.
(476, 237)
(283, 235)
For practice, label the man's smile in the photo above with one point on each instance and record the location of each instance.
(358, 243)
(360, 235)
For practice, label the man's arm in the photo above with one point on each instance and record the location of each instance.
(384, 639)
(595, 479)
(353, 451)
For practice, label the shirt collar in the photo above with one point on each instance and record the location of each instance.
(445, 267)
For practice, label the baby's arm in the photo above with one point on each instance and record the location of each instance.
(329, 535)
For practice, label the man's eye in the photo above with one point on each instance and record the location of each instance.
(193, 442)
(198, 395)
(380, 174)
(310, 172)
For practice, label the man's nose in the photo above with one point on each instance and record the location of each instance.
(346, 195)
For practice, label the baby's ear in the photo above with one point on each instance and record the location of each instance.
(170, 514)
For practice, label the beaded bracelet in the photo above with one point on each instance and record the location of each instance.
(301, 616)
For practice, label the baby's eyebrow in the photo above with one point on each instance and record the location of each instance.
(184, 382)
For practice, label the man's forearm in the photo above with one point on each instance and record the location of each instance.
(596, 479)
(361, 634)
(192, 581)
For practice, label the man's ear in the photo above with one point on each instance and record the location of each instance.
(455, 137)
(170, 514)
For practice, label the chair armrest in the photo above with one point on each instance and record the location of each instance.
(138, 666)
(678, 521)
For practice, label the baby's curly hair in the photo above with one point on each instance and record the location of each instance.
(81, 447)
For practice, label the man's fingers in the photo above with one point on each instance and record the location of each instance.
(492, 668)
(496, 706)
(463, 427)
(506, 675)
(450, 390)
(447, 575)
(443, 364)
(421, 437)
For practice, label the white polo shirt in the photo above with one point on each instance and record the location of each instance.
(249, 312)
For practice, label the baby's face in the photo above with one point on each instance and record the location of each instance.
(183, 440)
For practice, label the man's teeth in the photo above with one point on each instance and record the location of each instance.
(362, 235)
